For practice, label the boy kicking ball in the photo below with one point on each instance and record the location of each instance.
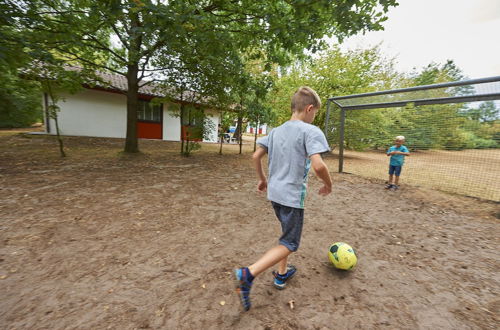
(397, 152)
(292, 148)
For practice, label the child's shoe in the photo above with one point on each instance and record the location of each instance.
(388, 186)
(394, 187)
(280, 280)
(243, 286)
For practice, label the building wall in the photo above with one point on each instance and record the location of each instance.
(104, 114)
(214, 117)
(251, 129)
(171, 123)
(92, 113)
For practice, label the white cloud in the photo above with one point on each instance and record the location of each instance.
(424, 31)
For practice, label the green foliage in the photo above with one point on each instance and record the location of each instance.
(335, 73)
(485, 112)
(196, 37)
(20, 100)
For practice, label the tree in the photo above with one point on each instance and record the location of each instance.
(122, 36)
(258, 111)
(334, 73)
(486, 112)
(19, 100)
(194, 78)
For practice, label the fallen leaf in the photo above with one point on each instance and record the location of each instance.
(203, 286)
(222, 303)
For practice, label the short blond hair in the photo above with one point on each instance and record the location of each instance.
(303, 97)
(399, 138)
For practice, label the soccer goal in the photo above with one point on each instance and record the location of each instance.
(452, 130)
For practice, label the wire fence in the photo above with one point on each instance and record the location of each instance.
(455, 147)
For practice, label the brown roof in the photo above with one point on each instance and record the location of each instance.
(117, 82)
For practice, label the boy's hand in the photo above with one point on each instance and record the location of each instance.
(262, 185)
(325, 190)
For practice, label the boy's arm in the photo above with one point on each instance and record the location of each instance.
(257, 161)
(322, 172)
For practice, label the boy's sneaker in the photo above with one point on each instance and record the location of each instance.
(280, 280)
(388, 186)
(394, 187)
(243, 286)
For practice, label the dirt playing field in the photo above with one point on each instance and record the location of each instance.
(466, 172)
(100, 240)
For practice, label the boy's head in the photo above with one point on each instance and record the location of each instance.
(399, 140)
(306, 100)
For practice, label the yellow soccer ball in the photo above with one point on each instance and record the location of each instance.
(342, 256)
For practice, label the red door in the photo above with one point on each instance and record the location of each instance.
(149, 130)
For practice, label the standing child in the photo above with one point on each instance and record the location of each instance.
(292, 149)
(397, 152)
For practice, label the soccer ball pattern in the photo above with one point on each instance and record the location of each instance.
(342, 256)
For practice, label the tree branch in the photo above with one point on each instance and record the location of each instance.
(76, 57)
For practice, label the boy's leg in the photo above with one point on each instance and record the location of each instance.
(397, 174)
(269, 259)
(245, 276)
(389, 183)
(282, 266)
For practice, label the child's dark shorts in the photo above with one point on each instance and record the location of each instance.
(291, 225)
(395, 170)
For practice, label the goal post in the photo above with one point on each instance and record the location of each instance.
(448, 116)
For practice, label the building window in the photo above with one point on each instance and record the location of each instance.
(149, 112)
(192, 116)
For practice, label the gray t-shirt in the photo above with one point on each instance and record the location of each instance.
(289, 147)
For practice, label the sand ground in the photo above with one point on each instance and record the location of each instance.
(104, 241)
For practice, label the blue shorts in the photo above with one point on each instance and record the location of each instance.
(395, 170)
(291, 225)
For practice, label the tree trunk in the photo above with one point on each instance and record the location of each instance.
(59, 139)
(131, 145)
(240, 130)
(255, 140)
(182, 134)
(240, 123)
(220, 149)
(53, 113)
(134, 56)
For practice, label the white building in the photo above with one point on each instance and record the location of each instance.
(262, 129)
(102, 112)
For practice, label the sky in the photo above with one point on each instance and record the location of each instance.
(419, 32)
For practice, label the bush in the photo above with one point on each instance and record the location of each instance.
(20, 101)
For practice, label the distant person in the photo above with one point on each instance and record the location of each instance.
(292, 149)
(397, 152)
